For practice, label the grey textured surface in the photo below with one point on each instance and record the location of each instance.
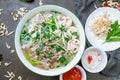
(17, 67)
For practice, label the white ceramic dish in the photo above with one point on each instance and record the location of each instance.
(84, 77)
(102, 64)
(56, 71)
(114, 15)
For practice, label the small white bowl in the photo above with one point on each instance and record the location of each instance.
(84, 77)
(100, 66)
(56, 71)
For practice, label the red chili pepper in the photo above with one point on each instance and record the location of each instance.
(118, 6)
(90, 59)
(105, 4)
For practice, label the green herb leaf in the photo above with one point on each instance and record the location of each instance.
(113, 39)
(67, 39)
(57, 66)
(115, 25)
(74, 33)
(62, 59)
(114, 34)
(37, 53)
(24, 36)
(56, 12)
(56, 37)
(38, 35)
(21, 39)
(52, 45)
(46, 34)
(55, 21)
(58, 49)
(50, 30)
(42, 45)
(62, 28)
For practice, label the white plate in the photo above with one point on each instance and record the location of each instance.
(114, 15)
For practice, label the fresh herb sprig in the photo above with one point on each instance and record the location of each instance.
(114, 33)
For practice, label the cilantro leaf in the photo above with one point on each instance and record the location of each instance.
(62, 59)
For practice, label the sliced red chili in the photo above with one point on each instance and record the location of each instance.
(90, 59)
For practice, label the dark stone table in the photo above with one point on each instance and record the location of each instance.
(17, 67)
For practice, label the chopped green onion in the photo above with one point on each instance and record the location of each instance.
(37, 53)
(62, 59)
(58, 49)
(74, 33)
(52, 45)
(67, 39)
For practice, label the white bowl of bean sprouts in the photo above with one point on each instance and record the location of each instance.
(49, 40)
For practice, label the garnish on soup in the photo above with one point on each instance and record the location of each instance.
(49, 40)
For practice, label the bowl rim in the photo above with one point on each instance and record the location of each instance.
(84, 75)
(52, 72)
(103, 65)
